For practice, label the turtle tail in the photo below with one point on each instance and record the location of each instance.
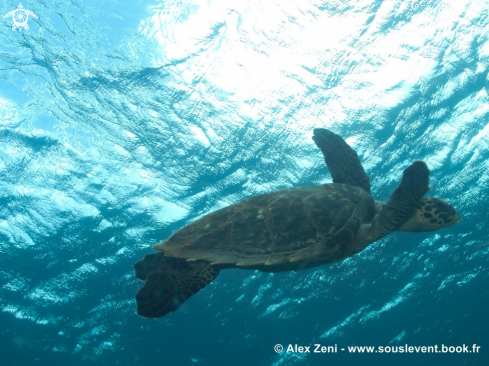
(169, 282)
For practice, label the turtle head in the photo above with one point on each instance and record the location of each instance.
(432, 214)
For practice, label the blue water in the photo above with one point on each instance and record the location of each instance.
(121, 122)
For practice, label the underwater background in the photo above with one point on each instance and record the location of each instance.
(121, 122)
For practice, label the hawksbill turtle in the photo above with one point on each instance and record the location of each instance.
(290, 229)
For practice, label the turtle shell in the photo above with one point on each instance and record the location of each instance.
(288, 229)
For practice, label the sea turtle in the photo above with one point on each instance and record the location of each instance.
(290, 229)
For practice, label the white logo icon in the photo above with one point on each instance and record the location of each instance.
(20, 17)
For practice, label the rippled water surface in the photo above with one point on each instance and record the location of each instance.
(121, 122)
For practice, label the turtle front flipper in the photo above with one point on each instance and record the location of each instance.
(341, 159)
(403, 202)
(174, 282)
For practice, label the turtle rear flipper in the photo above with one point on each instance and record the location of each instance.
(341, 159)
(171, 284)
(403, 201)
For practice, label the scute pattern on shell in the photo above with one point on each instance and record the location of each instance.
(289, 225)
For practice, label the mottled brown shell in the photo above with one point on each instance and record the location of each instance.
(283, 230)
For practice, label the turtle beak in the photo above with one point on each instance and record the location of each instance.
(453, 214)
(454, 218)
